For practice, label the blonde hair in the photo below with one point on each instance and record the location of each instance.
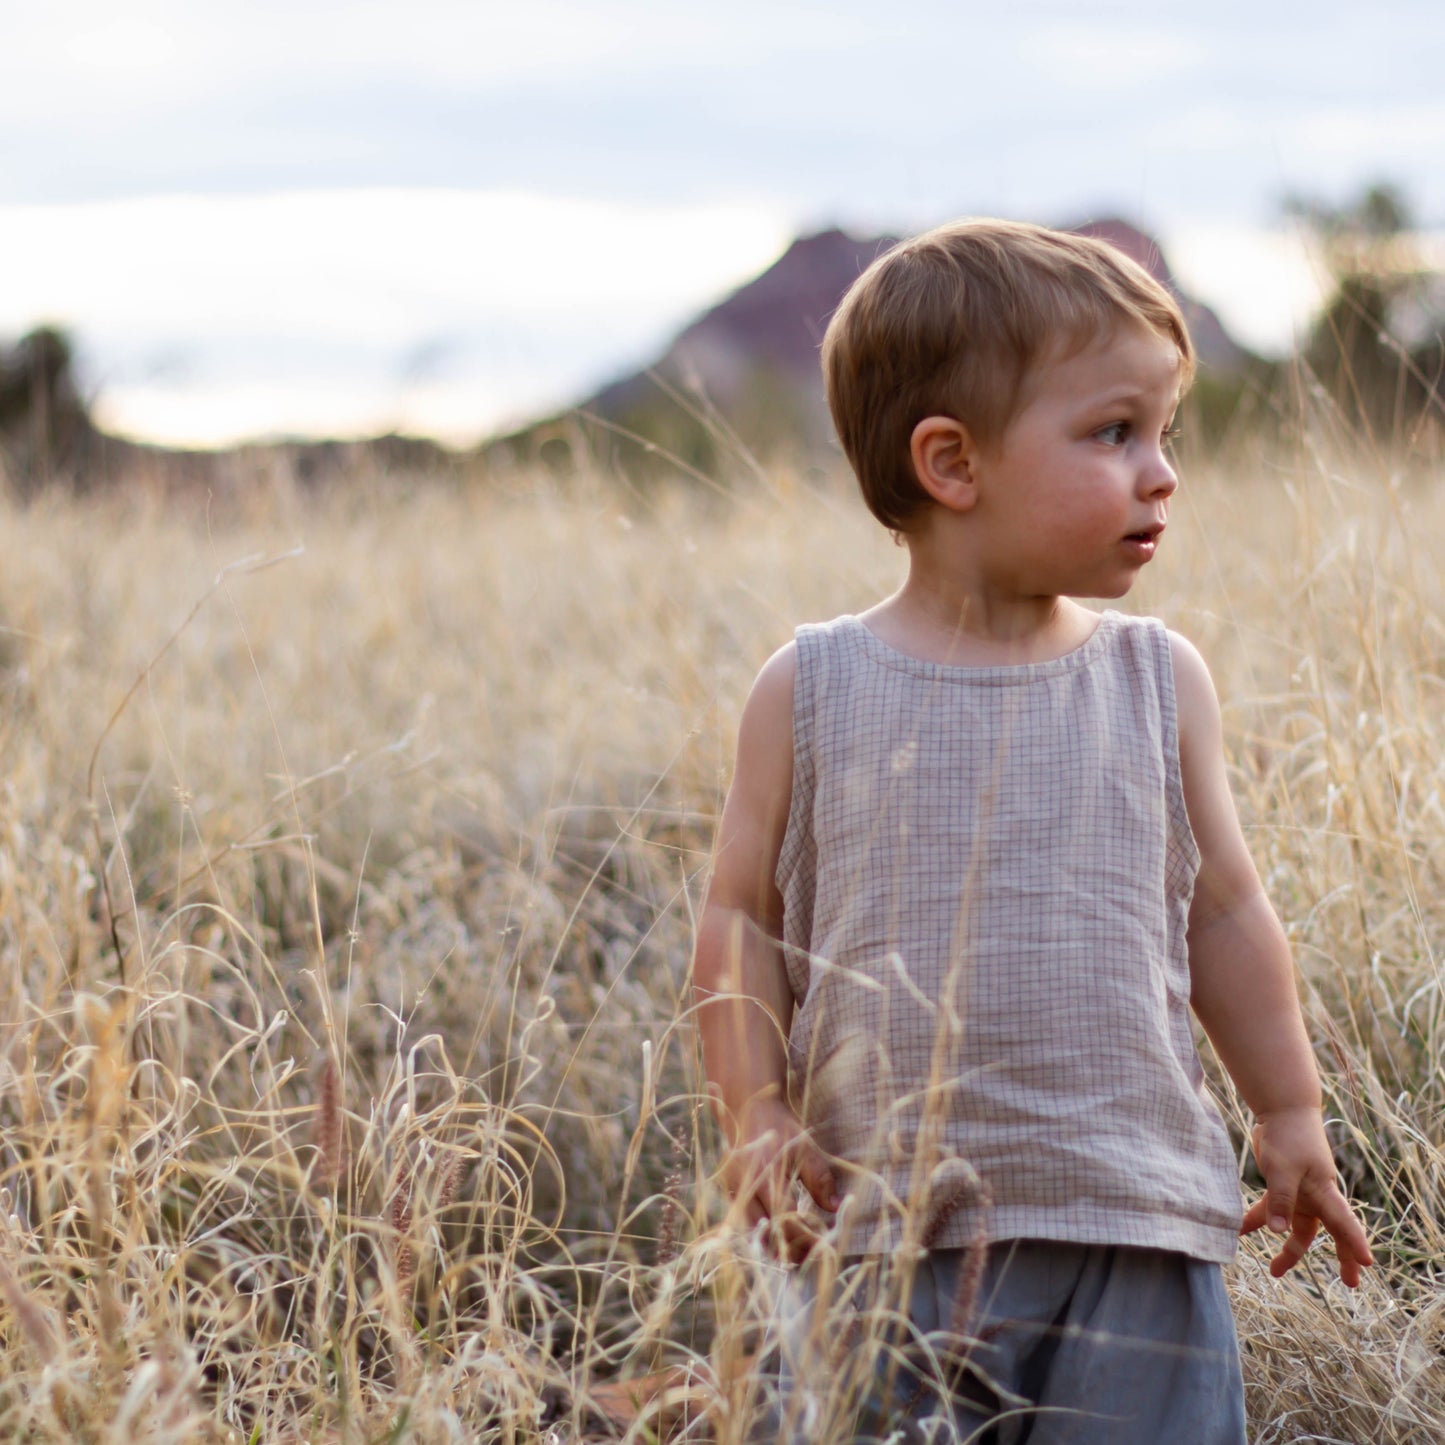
(951, 322)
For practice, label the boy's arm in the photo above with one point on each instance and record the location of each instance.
(744, 1005)
(1243, 991)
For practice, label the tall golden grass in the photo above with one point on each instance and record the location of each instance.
(349, 850)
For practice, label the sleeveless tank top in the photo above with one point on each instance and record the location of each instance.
(986, 877)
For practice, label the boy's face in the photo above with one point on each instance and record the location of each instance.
(1075, 493)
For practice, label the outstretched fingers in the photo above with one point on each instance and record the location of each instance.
(1352, 1245)
(1301, 1221)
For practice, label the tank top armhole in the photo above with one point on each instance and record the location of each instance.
(1180, 828)
(810, 643)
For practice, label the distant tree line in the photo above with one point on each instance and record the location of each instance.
(45, 429)
(1377, 350)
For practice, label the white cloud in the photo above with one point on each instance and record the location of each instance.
(1096, 57)
(1266, 286)
(373, 265)
(222, 412)
(1204, 127)
(1368, 133)
(126, 42)
(198, 313)
(84, 60)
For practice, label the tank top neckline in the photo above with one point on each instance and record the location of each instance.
(885, 654)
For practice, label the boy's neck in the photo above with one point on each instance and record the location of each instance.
(949, 614)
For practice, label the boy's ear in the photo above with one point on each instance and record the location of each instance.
(944, 454)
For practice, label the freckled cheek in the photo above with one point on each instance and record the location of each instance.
(1080, 512)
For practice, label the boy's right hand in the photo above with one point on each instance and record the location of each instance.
(772, 1154)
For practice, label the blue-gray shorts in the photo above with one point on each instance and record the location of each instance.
(1089, 1345)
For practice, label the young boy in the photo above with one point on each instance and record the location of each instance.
(979, 859)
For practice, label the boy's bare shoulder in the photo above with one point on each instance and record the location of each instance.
(772, 689)
(1196, 702)
(755, 815)
(765, 731)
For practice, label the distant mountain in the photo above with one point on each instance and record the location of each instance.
(749, 366)
(772, 326)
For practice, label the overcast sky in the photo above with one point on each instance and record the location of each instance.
(346, 216)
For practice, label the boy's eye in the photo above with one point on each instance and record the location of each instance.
(1115, 434)
(1169, 436)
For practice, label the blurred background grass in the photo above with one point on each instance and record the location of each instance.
(395, 796)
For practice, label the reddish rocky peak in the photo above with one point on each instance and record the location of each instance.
(780, 316)
(1132, 242)
(767, 332)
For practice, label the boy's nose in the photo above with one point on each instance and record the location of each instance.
(1160, 478)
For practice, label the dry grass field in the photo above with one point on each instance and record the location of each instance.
(349, 851)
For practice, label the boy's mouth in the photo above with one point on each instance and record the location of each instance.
(1148, 534)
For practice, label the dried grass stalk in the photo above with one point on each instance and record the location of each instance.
(328, 1133)
(399, 1216)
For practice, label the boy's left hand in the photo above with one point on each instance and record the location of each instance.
(1301, 1193)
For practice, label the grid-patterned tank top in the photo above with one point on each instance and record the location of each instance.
(986, 878)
